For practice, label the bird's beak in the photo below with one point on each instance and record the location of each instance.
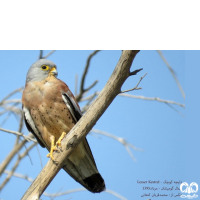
(53, 72)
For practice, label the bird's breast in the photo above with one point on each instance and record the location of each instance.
(48, 110)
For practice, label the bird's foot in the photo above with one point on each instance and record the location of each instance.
(53, 148)
(58, 143)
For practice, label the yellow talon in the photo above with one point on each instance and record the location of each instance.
(58, 143)
(53, 148)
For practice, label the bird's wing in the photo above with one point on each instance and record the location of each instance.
(32, 128)
(77, 114)
(71, 104)
(81, 164)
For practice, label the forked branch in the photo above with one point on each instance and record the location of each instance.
(136, 87)
(82, 87)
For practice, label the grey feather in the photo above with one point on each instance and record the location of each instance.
(35, 73)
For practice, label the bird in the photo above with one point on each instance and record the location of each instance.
(50, 112)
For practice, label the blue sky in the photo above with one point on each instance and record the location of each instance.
(152, 126)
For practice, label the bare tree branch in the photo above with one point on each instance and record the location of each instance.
(82, 89)
(88, 103)
(9, 95)
(11, 155)
(20, 157)
(25, 177)
(91, 97)
(152, 99)
(172, 72)
(120, 140)
(175, 110)
(83, 189)
(135, 72)
(5, 119)
(39, 156)
(115, 194)
(20, 128)
(44, 57)
(12, 108)
(51, 52)
(11, 101)
(83, 126)
(136, 87)
(22, 176)
(41, 54)
(28, 138)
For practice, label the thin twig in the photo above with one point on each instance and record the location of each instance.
(12, 108)
(9, 95)
(91, 86)
(172, 72)
(86, 68)
(28, 154)
(55, 195)
(20, 157)
(136, 87)
(88, 98)
(6, 118)
(20, 124)
(175, 110)
(119, 139)
(88, 103)
(135, 72)
(28, 138)
(152, 99)
(12, 154)
(20, 128)
(11, 101)
(82, 89)
(39, 156)
(22, 176)
(41, 54)
(83, 189)
(115, 194)
(51, 52)
(136, 97)
(27, 178)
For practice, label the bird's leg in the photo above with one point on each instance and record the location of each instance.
(58, 143)
(53, 147)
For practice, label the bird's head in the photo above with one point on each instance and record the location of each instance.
(41, 70)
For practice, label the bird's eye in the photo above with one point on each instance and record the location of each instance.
(45, 67)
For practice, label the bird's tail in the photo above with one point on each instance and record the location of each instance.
(82, 167)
